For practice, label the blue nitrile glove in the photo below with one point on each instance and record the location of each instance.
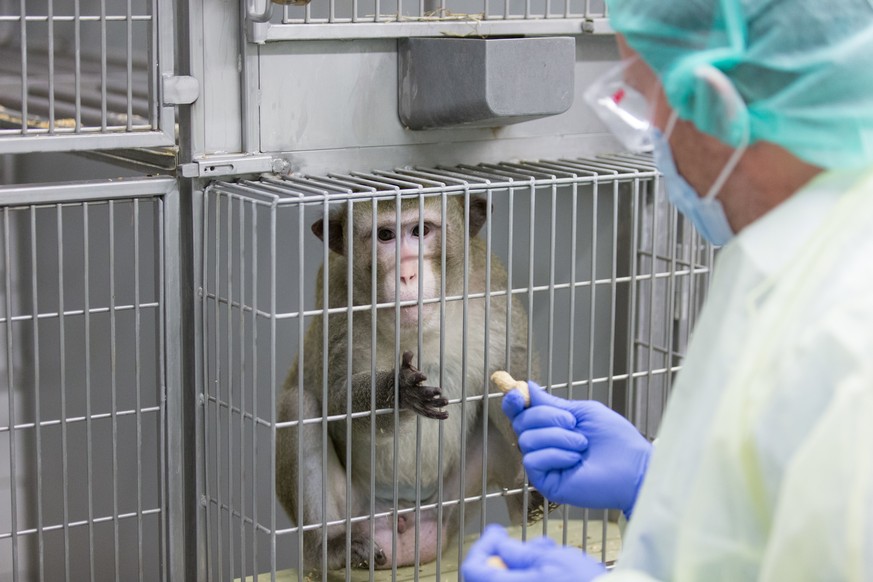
(579, 451)
(534, 561)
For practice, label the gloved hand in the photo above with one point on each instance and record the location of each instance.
(579, 451)
(537, 560)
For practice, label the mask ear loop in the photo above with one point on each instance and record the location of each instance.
(671, 123)
(735, 105)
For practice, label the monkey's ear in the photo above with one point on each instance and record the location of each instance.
(478, 214)
(335, 234)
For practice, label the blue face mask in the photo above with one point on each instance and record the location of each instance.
(705, 213)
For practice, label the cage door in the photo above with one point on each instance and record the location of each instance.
(85, 74)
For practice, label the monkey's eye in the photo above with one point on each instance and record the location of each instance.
(424, 230)
(385, 234)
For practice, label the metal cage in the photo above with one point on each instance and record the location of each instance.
(411, 18)
(84, 415)
(591, 247)
(87, 74)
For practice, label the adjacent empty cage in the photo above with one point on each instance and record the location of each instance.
(610, 278)
(83, 421)
(86, 73)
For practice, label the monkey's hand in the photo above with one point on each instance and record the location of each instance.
(413, 395)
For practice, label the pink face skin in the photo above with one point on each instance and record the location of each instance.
(766, 175)
(413, 237)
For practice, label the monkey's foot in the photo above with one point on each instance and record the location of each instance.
(536, 508)
(360, 554)
(414, 395)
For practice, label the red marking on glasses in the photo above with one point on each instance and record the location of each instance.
(618, 96)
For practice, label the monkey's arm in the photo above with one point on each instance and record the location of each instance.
(413, 395)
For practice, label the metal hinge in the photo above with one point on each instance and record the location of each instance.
(179, 90)
(232, 165)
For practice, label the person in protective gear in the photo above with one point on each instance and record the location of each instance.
(760, 116)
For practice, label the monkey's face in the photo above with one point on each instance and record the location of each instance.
(413, 247)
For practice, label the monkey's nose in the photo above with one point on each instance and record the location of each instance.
(407, 278)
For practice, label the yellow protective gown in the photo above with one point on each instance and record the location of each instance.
(763, 467)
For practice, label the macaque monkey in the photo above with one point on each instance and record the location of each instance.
(423, 391)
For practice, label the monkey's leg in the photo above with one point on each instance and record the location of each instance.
(506, 468)
(311, 484)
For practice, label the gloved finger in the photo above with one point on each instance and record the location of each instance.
(545, 460)
(513, 404)
(540, 397)
(492, 537)
(524, 555)
(543, 417)
(552, 437)
(543, 542)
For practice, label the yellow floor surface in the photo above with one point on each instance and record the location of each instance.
(449, 562)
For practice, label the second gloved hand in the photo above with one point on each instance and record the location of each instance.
(579, 451)
(534, 561)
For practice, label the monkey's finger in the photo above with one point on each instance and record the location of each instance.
(407, 359)
(430, 411)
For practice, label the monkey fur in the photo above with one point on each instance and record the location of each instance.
(314, 493)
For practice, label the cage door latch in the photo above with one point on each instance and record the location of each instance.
(179, 90)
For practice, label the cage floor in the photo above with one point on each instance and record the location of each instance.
(108, 96)
(450, 563)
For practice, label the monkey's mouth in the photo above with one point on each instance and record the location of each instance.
(409, 313)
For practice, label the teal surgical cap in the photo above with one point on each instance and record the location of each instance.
(804, 69)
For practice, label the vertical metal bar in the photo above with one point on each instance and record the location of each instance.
(114, 388)
(325, 385)
(396, 432)
(418, 351)
(592, 314)
(272, 364)
(24, 86)
(36, 392)
(137, 317)
(63, 387)
(373, 339)
(553, 220)
(129, 22)
(50, 10)
(465, 338)
(255, 409)
(77, 34)
(173, 421)
(89, 428)
(103, 67)
(219, 522)
(486, 401)
(230, 382)
(242, 390)
(653, 284)
(10, 392)
(170, 397)
(155, 58)
(530, 275)
(348, 235)
(571, 337)
(205, 468)
(442, 359)
(671, 316)
(301, 336)
(633, 251)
